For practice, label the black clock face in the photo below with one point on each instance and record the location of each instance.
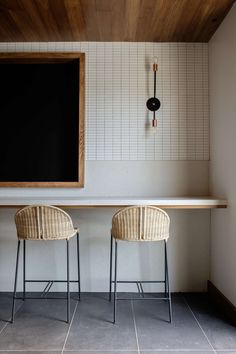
(153, 104)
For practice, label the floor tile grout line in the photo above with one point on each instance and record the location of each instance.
(102, 350)
(3, 327)
(135, 326)
(67, 335)
(111, 350)
(169, 350)
(8, 321)
(29, 350)
(70, 350)
(199, 325)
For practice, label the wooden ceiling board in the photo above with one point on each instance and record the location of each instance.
(111, 20)
(76, 18)
(145, 16)
(118, 30)
(90, 20)
(53, 25)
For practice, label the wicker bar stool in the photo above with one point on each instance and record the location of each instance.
(44, 223)
(140, 224)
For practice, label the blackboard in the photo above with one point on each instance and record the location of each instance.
(42, 119)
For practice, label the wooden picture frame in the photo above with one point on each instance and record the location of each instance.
(54, 58)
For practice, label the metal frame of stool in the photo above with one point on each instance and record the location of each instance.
(137, 282)
(49, 282)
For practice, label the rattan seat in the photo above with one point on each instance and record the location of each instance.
(44, 223)
(139, 224)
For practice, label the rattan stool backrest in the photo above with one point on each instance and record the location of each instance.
(43, 222)
(141, 223)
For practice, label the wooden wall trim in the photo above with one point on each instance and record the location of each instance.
(55, 57)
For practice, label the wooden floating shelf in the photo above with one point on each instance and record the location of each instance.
(102, 202)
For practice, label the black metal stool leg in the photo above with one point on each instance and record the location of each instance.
(110, 283)
(68, 281)
(115, 283)
(24, 250)
(165, 254)
(78, 264)
(15, 283)
(168, 286)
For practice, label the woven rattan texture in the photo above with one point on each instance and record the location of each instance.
(141, 223)
(39, 222)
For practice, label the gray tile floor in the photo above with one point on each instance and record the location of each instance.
(141, 327)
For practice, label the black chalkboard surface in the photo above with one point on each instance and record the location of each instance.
(39, 120)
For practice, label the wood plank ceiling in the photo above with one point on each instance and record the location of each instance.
(111, 20)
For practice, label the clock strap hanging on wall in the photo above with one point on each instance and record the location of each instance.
(153, 103)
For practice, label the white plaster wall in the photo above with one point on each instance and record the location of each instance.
(128, 160)
(222, 59)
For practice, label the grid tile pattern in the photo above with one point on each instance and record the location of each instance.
(142, 326)
(119, 80)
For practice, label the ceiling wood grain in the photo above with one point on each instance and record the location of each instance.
(111, 20)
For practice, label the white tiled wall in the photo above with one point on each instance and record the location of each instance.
(119, 80)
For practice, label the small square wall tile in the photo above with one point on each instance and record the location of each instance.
(119, 79)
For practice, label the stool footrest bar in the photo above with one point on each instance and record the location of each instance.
(51, 281)
(138, 281)
(43, 298)
(143, 298)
